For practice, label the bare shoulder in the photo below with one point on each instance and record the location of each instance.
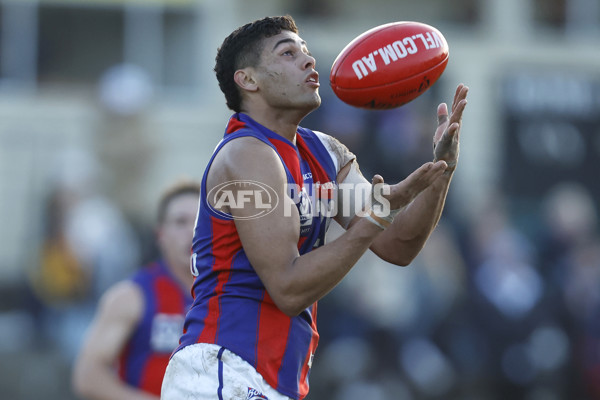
(242, 158)
(124, 300)
(340, 154)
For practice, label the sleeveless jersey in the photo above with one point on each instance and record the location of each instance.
(231, 305)
(143, 362)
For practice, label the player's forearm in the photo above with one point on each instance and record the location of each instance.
(312, 275)
(404, 239)
(424, 213)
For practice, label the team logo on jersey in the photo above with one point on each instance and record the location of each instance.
(313, 200)
(303, 204)
(305, 208)
(165, 332)
(255, 198)
(254, 394)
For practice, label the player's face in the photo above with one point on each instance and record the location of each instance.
(176, 231)
(286, 75)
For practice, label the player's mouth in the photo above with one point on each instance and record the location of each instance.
(313, 79)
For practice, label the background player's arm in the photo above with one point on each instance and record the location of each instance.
(94, 374)
(294, 282)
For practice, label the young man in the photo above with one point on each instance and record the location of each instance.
(262, 265)
(139, 321)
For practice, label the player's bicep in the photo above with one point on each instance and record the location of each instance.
(270, 242)
(265, 216)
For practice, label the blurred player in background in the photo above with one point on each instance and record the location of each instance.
(139, 321)
(261, 267)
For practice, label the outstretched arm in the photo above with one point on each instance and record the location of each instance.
(295, 281)
(405, 237)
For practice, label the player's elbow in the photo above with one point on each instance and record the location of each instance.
(292, 312)
(401, 260)
(400, 254)
(288, 302)
(290, 306)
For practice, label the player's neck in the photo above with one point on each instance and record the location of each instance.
(282, 122)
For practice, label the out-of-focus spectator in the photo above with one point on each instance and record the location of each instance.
(510, 307)
(88, 245)
(123, 137)
(571, 256)
(389, 322)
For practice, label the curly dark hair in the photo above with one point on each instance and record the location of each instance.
(242, 49)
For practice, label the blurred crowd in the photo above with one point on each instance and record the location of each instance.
(485, 312)
(501, 304)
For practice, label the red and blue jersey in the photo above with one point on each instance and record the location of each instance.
(145, 357)
(231, 305)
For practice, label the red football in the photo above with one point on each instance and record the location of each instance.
(389, 65)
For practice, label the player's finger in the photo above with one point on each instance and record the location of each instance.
(461, 93)
(377, 179)
(442, 113)
(427, 172)
(456, 95)
(438, 167)
(453, 130)
(419, 180)
(458, 111)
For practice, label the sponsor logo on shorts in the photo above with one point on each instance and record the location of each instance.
(254, 394)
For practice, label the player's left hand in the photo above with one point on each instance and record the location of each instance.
(447, 135)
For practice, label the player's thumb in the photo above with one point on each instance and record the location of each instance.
(377, 179)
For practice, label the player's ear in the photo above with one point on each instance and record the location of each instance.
(245, 79)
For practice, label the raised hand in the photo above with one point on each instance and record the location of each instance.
(447, 135)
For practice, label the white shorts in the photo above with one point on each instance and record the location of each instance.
(210, 372)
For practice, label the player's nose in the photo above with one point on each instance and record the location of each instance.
(309, 62)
